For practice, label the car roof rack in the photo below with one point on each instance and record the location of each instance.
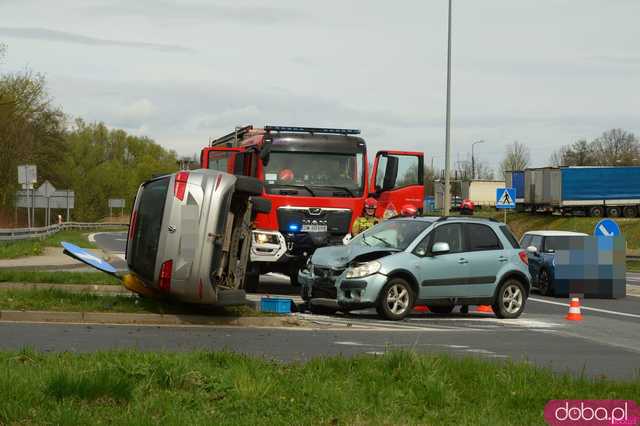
(233, 137)
(490, 219)
(312, 130)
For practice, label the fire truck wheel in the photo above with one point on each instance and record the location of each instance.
(248, 185)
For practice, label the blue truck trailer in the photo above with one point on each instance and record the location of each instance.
(515, 179)
(596, 191)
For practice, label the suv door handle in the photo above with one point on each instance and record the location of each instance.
(503, 259)
(462, 260)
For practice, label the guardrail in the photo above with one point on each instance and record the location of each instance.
(12, 234)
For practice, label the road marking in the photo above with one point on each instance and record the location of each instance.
(585, 308)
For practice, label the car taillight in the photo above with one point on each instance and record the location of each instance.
(132, 225)
(524, 257)
(165, 276)
(180, 186)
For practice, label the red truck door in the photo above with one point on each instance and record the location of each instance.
(397, 180)
(230, 160)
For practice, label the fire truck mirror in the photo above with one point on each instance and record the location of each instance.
(265, 152)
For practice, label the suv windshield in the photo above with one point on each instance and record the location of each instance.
(397, 234)
(314, 173)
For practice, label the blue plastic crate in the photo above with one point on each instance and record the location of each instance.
(275, 305)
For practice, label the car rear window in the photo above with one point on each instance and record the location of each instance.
(149, 222)
(481, 237)
(509, 236)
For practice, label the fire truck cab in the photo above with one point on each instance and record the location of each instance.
(317, 180)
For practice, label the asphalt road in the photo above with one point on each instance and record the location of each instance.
(606, 342)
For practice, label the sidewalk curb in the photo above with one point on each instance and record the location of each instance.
(148, 319)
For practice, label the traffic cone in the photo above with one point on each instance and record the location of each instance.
(485, 309)
(421, 309)
(574, 310)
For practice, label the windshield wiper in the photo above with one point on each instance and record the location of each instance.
(342, 188)
(385, 242)
(364, 240)
(305, 187)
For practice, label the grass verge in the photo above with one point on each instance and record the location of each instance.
(398, 388)
(34, 247)
(64, 301)
(57, 277)
(633, 265)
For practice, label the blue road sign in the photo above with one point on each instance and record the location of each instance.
(505, 198)
(90, 259)
(606, 228)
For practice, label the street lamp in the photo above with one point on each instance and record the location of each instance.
(473, 160)
(447, 160)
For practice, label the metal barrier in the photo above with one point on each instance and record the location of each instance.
(12, 234)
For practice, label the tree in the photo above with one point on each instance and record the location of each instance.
(516, 157)
(580, 153)
(616, 147)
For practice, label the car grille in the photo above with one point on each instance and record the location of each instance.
(326, 277)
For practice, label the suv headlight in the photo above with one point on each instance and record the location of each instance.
(265, 238)
(363, 269)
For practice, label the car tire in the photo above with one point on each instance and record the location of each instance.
(441, 310)
(249, 185)
(596, 211)
(630, 211)
(544, 283)
(396, 300)
(510, 299)
(261, 205)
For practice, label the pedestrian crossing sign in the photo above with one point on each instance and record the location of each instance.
(505, 198)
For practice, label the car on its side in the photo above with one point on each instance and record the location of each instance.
(541, 248)
(439, 262)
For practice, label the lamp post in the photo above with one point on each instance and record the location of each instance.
(447, 160)
(473, 160)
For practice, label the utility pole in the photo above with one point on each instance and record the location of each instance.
(473, 160)
(447, 160)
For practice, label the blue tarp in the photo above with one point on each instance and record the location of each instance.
(600, 183)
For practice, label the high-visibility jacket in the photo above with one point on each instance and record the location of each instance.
(362, 224)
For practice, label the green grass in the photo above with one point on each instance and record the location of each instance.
(35, 247)
(633, 265)
(64, 301)
(57, 277)
(222, 388)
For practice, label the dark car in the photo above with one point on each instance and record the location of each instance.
(541, 248)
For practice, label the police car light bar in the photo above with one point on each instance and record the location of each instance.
(294, 129)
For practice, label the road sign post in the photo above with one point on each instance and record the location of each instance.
(505, 200)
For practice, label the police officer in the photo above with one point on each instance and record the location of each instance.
(368, 219)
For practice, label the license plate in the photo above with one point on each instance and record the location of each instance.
(314, 228)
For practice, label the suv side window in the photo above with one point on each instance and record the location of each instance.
(481, 237)
(450, 234)
(536, 241)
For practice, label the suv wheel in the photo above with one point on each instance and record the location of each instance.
(396, 299)
(510, 300)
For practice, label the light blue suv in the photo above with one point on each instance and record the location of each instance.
(439, 262)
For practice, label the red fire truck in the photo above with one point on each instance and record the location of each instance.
(317, 180)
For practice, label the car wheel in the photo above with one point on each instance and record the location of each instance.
(441, 309)
(510, 300)
(630, 211)
(396, 299)
(544, 283)
(596, 211)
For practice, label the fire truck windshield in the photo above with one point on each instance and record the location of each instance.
(317, 174)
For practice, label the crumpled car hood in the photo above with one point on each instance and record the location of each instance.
(341, 256)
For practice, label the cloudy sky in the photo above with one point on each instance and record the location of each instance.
(544, 72)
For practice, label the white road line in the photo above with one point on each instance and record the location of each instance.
(585, 308)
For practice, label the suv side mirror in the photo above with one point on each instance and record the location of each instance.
(440, 248)
(421, 251)
(532, 250)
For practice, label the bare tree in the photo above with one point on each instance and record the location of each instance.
(580, 153)
(464, 170)
(616, 147)
(516, 158)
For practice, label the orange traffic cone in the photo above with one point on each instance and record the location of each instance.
(421, 308)
(484, 308)
(574, 310)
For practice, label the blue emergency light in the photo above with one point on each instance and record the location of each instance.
(294, 227)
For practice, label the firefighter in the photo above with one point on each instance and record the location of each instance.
(368, 219)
